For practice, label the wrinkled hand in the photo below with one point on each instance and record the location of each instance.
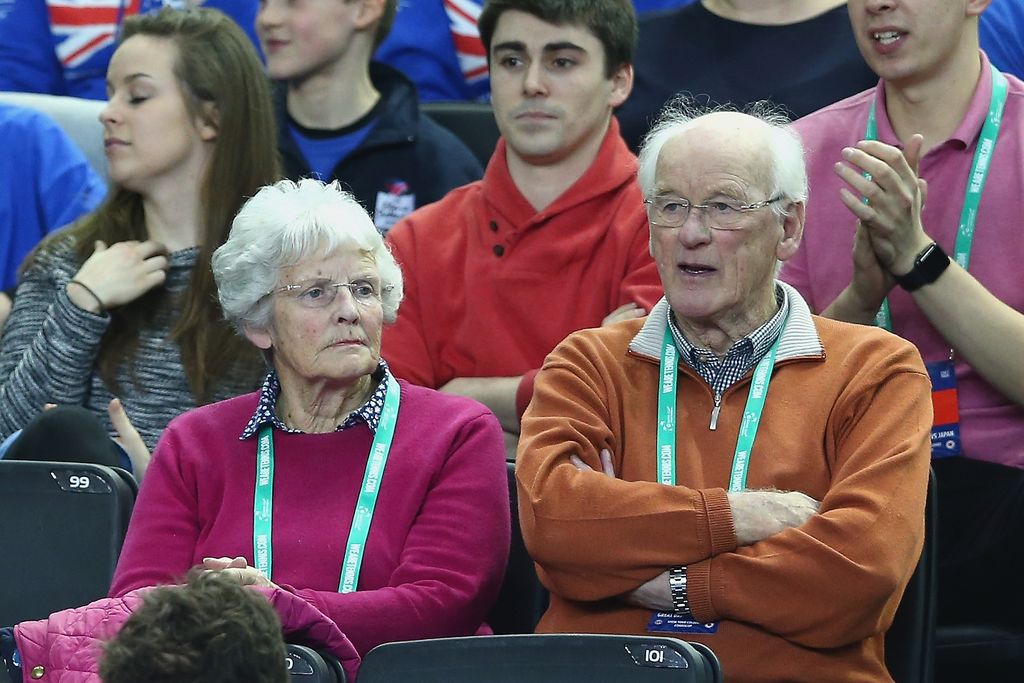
(119, 274)
(624, 312)
(606, 463)
(895, 196)
(654, 595)
(758, 515)
(238, 569)
(129, 439)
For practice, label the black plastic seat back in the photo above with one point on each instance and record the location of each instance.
(64, 524)
(541, 659)
(471, 122)
(910, 641)
(306, 665)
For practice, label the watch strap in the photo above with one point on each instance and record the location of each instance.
(677, 587)
(928, 266)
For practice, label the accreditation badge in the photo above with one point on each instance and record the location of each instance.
(393, 204)
(670, 622)
(945, 403)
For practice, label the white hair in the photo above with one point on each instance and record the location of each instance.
(787, 171)
(280, 226)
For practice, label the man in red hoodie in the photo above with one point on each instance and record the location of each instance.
(554, 238)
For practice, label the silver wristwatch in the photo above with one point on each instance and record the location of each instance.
(677, 586)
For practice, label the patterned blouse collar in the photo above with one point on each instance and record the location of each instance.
(369, 412)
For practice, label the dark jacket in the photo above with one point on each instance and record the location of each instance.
(406, 161)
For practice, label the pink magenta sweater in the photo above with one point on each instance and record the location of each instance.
(438, 544)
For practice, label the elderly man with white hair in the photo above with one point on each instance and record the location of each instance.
(731, 469)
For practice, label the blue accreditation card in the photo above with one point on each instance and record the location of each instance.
(946, 406)
(670, 622)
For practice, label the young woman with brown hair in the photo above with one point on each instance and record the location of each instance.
(123, 303)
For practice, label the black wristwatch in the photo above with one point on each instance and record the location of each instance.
(928, 266)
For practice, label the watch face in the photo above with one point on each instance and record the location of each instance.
(926, 254)
(928, 266)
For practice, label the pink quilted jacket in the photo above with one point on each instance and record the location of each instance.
(67, 644)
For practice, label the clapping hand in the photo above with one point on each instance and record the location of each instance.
(895, 198)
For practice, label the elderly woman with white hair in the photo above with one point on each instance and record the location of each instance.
(335, 481)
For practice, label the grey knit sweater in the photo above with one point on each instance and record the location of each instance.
(49, 348)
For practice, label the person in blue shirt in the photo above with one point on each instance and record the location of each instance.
(63, 48)
(437, 45)
(46, 184)
(1001, 34)
(342, 117)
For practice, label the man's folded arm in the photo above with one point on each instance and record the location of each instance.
(837, 579)
(595, 536)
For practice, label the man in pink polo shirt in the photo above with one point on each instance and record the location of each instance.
(936, 106)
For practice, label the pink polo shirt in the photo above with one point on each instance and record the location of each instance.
(992, 427)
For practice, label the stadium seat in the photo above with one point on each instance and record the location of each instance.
(64, 525)
(993, 653)
(306, 665)
(548, 658)
(522, 599)
(78, 117)
(910, 641)
(472, 122)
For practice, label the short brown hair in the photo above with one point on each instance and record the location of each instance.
(613, 22)
(210, 630)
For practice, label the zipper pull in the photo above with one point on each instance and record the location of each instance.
(714, 412)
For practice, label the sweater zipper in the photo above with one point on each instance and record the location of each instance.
(714, 412)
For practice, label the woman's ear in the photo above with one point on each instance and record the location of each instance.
(263, 339)
(208, 121)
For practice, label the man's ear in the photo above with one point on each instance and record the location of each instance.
(792, 231)
(370, 11)
(208, 121)
(976, 7)
(622, 85)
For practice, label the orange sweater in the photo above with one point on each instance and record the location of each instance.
(847, 422)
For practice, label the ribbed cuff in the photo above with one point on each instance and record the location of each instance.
(721, 531)
(698, 591)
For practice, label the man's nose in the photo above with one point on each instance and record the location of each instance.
(534, 79)
(694, 230)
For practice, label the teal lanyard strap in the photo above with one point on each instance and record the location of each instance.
(752, 412)
(667, 411)
(367, 501)
(975, 183)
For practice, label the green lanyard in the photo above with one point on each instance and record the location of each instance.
(975, 185)
(264, 498)
(748, 428)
